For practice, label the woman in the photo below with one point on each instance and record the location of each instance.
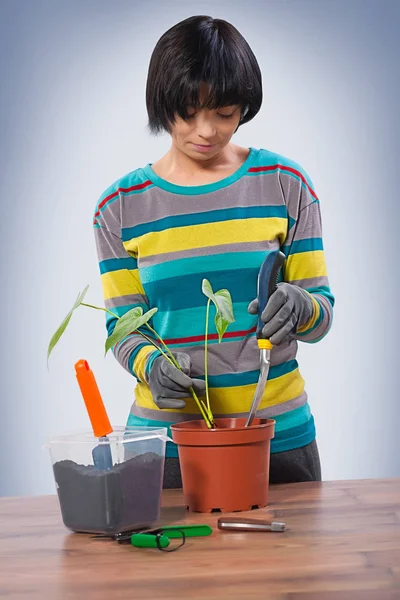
(210, 208)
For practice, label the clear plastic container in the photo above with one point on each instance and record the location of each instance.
(121, 496)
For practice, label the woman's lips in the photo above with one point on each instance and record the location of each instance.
(203, 147)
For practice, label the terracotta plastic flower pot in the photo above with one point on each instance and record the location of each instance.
(226, 468)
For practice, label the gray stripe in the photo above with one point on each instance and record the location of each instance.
(220, 249)
(290, 189)
(274, 189)
(282, 408)
(160, 203)
(224, 358)
(311, 282)
(126, 348)
(160, 415)
(112, 214)
(308, 224)
(126, 300)
(108, 245)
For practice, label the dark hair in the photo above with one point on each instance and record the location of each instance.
(201, 50)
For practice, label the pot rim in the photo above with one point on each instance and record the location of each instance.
(188, 425)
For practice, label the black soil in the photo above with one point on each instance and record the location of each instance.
(123, 498)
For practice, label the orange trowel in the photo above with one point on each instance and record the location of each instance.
(102, 457)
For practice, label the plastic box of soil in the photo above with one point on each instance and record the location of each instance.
(126, 496)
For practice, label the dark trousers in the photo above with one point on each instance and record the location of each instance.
(300, 464)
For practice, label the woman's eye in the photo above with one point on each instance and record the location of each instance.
(226, 116)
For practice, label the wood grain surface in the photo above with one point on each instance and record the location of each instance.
(342, 543)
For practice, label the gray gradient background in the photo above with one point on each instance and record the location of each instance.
(73, 120)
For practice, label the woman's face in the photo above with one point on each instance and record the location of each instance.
(206, 132)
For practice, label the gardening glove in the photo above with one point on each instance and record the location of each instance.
(288, 308)
(168, 384)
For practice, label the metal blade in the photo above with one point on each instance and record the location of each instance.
(262, 380)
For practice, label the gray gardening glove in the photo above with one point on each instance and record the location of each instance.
(168, 384)
(288, 308)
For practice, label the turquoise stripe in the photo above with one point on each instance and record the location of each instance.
(191, 321)
(225, 340)
(294, 437)
(110, 323)
(150, 361)
(293, 418)
(307, 245)
(120, 311)
(201, 218)
(185, 291)
(324, 290)
(203, 264)
(117, 264)
(249, 377)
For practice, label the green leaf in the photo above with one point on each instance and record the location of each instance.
(129, 322)
(224, 310)
(80, 298)
(65, 322)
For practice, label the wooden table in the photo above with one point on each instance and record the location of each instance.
(342, 542)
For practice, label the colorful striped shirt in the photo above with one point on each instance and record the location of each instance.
(156, 241)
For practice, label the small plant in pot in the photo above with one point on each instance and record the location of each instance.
(224, 465)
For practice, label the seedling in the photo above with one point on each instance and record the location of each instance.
(133, 320)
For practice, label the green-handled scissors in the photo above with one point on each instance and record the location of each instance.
(160, 538)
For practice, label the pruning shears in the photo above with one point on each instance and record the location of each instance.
(266, 286)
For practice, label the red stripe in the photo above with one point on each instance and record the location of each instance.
(140, 186)
(272, 167)
(212, 336)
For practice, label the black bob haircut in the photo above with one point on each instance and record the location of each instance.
(200, 50)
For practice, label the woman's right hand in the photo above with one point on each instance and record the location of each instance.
(169, 385)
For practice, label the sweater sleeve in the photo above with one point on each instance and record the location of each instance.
(122, 291)
(305, 264)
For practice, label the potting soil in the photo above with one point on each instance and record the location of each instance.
(123, 498)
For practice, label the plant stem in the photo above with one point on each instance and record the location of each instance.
(206, 356)
(205, 415)
(152, 342)
(101, 308)
(164, 344)
(168, 355)
(202, 408)
(209, 421)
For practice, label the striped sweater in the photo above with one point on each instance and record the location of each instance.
(156, 241)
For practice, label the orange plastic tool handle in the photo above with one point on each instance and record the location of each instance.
(93, 400)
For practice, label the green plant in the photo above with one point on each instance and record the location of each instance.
(131, 321)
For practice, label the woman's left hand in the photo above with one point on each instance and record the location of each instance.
(288, 308)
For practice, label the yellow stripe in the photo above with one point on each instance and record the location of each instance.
(305, 265)
(208, 234)
(139, 363)
(313, 320)
(235, 399)
(121, 283)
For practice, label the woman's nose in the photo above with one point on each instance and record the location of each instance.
(205, 127)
